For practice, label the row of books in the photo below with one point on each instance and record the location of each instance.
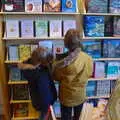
(100, 88)
(100, 26)
(38, 28)
(39, 5)
(103, 6)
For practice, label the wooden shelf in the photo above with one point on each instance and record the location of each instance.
(19, 101)
(107, 59)
(97, 97)
(102, 14)
(97, 79)
(24, 118)
(40, 13)
(11, 82)
(12, 62)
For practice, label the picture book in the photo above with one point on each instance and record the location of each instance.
(41, 28)
(68, 24)
(55, 28)
(12, 28)
(14, 73)
(116, 28)
(20, 92)
(111, 48)
(69, 5)
(92, 48)
(13, 6)
(27, 29)
(97, 6)
(33, 5)
(52, 5)
(94, 26)
(24, 52)
(13, 53)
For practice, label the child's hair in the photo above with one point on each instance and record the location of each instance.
(40, 55)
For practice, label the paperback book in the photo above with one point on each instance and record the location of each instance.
(12, 28)
(52, 5)
(41, 28)
(69, 5)
(33, 5)
(27, 29)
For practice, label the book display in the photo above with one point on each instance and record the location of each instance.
(27, 24)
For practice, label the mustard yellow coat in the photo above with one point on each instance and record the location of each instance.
(73, 79)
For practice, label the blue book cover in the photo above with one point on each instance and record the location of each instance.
(92, 48)
(111, 48)
(94, 26)
(69, 5)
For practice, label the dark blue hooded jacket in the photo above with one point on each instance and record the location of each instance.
(42, 88)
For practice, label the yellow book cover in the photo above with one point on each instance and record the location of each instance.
(24, 52)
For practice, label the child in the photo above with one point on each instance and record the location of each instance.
(37, 71)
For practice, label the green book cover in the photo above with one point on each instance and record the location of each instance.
(41, 28)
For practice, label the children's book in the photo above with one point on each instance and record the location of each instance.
(52, 5)
(33, 5)
(41, 28)
(116, 27)
(12, 28)
(69, 5)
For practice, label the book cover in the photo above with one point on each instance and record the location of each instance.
(69, 5)
(41, 28)
(92, 48)
(27, 29)
(20, 110)
(111, 48)
(94, 26)
(97, 6)
(13, 6)
(24, 52)
(14, 73)
(12, 28)
(13, 53)
(55, 28)
(114, 6)
(20, 92)
(33, 5)
(68, 24)
(52, 5)
(116, 27)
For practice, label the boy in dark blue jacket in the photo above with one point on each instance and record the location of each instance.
(42, 89)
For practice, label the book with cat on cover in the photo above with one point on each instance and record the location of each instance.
(12, 28)
(13, 53)
(41, 28)
(33, 5)
(51, 5)
(69, 5)
(55, 28)
(24, 52)
(68, 24)
(13, 6)
(27, 29)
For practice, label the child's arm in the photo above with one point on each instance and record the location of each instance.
(25, 66)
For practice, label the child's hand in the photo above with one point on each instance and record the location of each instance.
(24, 66)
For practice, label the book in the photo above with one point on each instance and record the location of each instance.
(33, 5)
(20, 110)
(69, 5)
(111, 48)
(51, 5)
(68, 24)
(114, 6)
(13, 6)
(13, 53)
(14, 73)
(116, 27)
(33, 47)
(20, 92)
(97, 6)
(27, 29)
(55, 28)
(94, 26)
(92, 48)
(24, 52)
(41, 28)
(12, 28)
